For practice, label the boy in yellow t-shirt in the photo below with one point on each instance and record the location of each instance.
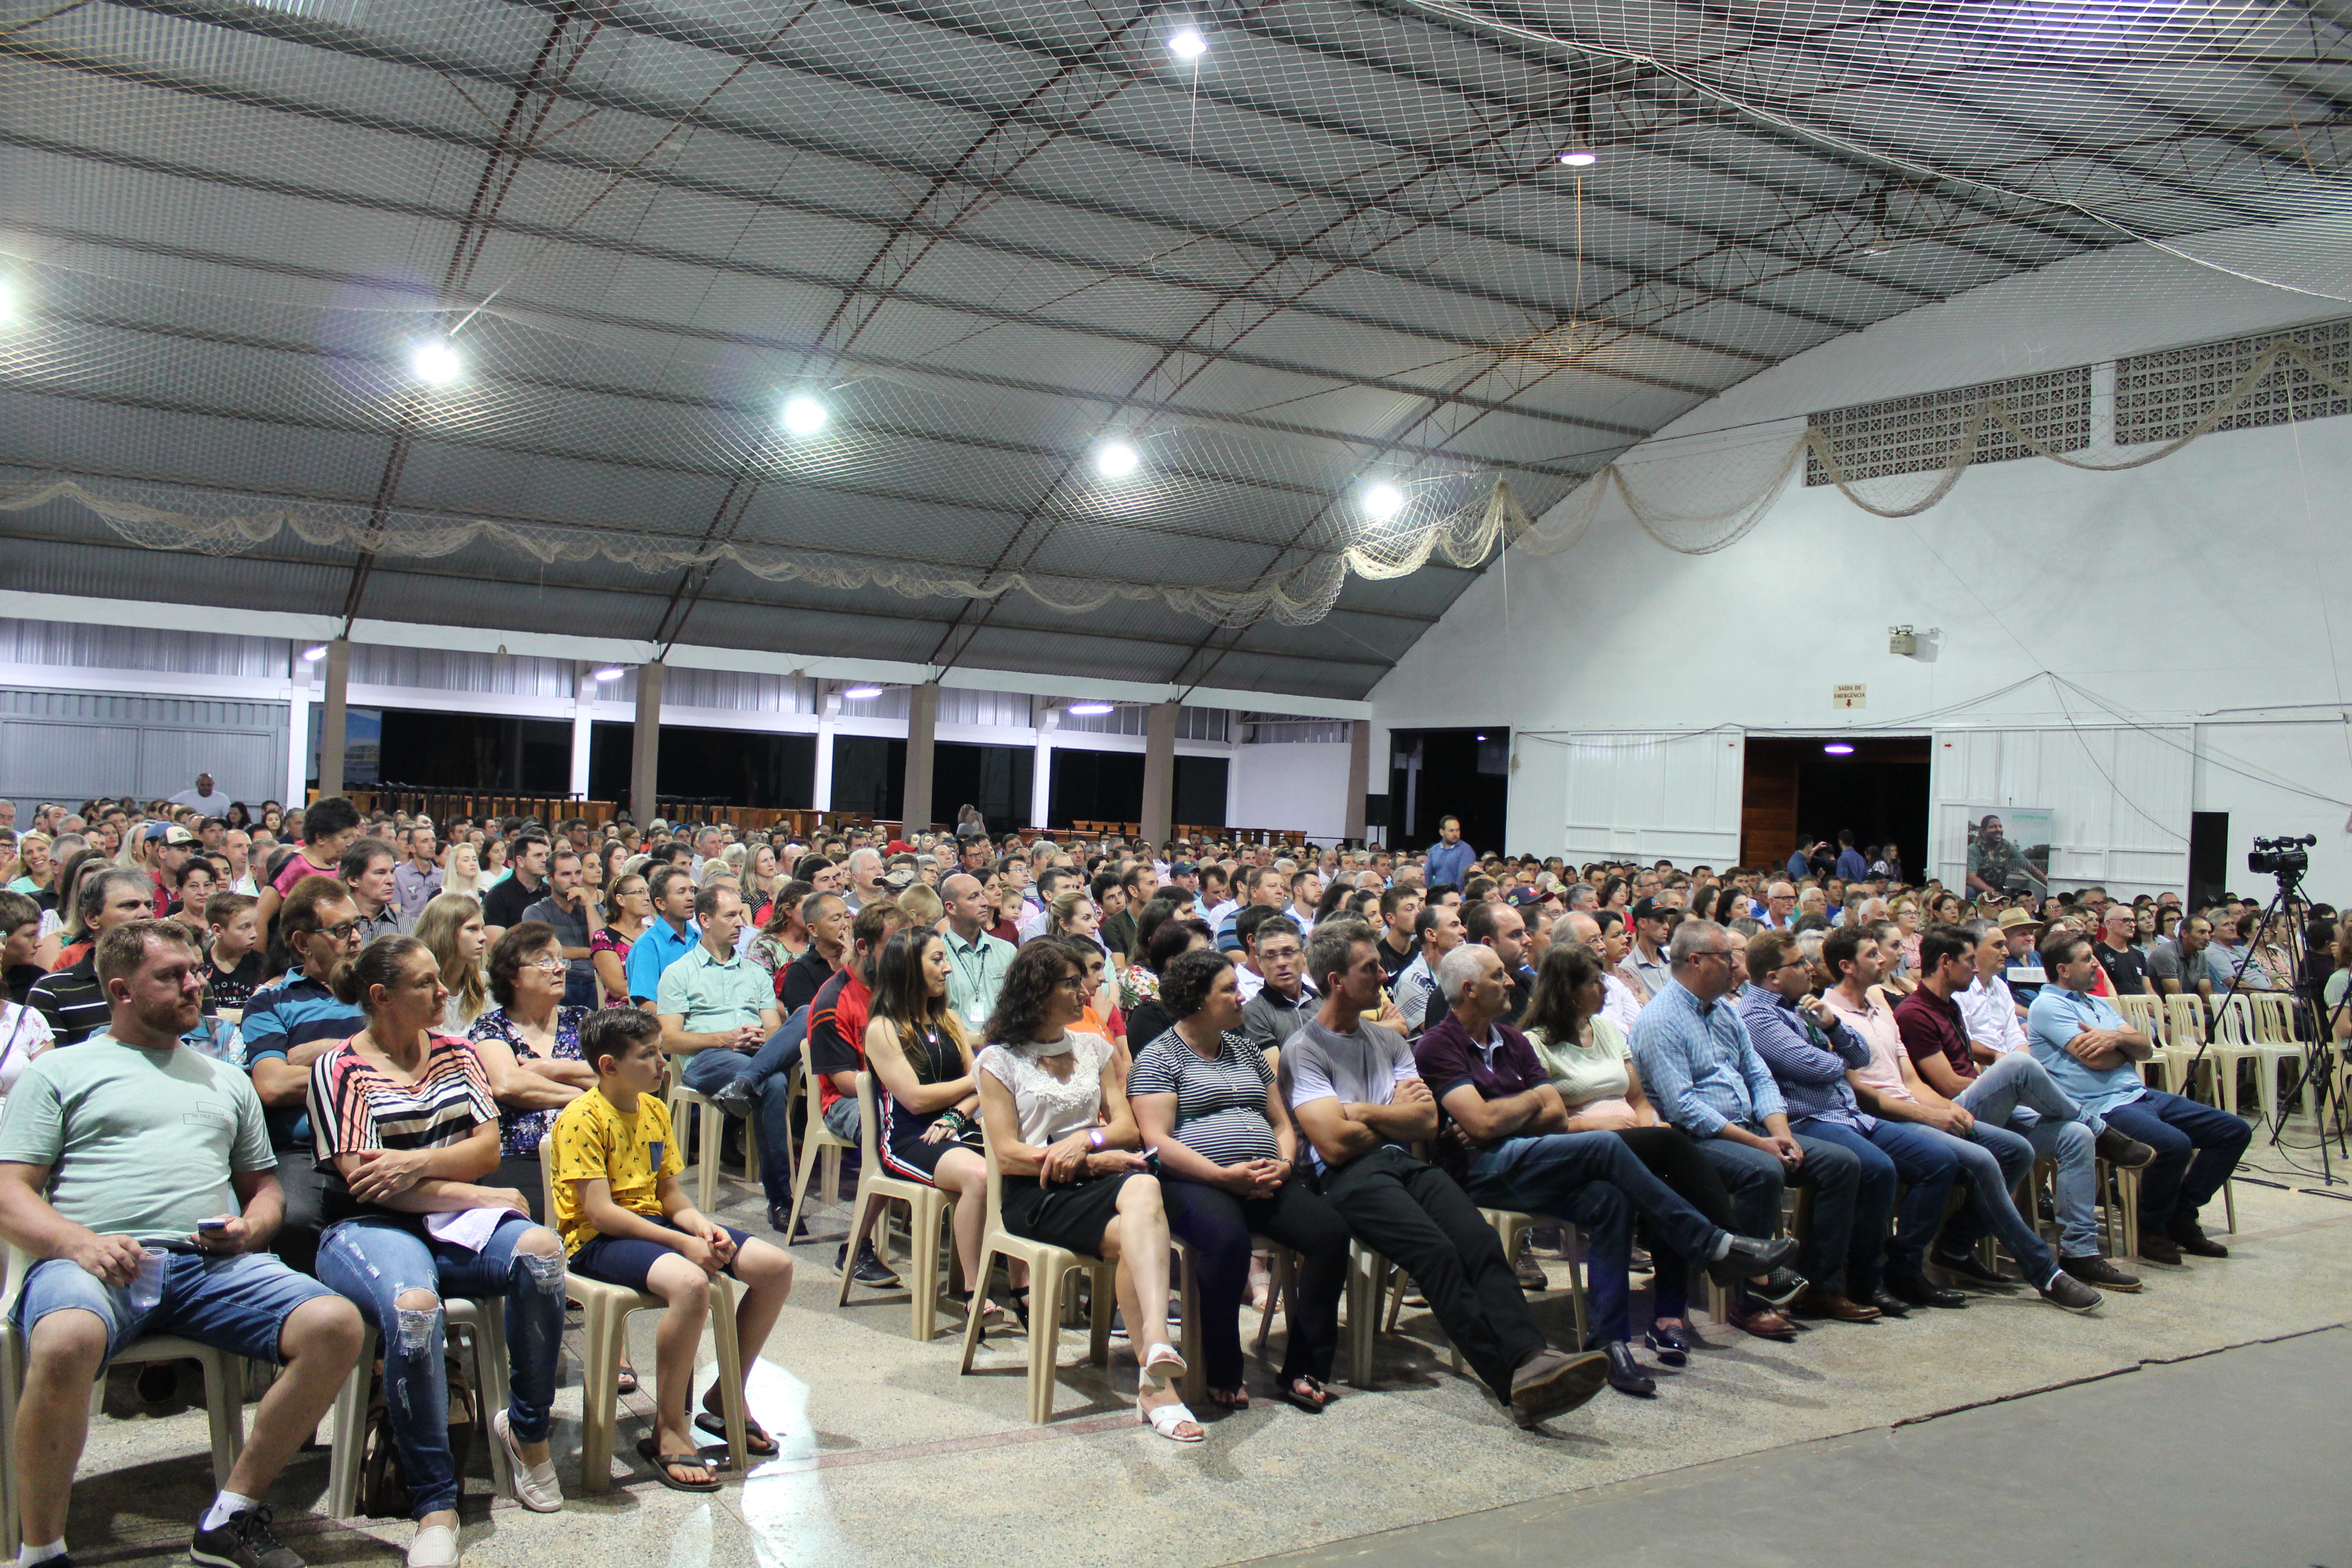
(624, 1219)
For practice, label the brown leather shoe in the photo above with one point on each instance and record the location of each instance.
(1817, 1303)
(1761, 1321)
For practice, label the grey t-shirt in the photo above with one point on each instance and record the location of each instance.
(139, 1142)
(1363, 1067)
(2166, 962)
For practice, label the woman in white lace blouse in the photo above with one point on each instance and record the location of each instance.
(1056, 1114)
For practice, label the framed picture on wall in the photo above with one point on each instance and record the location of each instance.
(2009, 849)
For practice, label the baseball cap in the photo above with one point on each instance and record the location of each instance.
(170, 833)
(1520, 897)
(1650, 908)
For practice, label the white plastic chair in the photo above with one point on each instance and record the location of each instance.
(711, 1129)
(223, 1391)
(1049, 1267)
(604, 1312)
(483, 1320)
(819, 1145)
(926, 1206)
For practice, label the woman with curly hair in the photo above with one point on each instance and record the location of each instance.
(1064, 1139)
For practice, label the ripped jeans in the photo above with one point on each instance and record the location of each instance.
(373, 1261)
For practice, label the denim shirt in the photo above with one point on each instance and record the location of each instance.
(1809, 1065)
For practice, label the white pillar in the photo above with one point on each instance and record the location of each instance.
(583, 711)
(827, 711)
(333, 731)
(1041, 778)
(1160, 772)
(298, 729)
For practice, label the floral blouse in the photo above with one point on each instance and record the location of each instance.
(520, 1130)
(605, 938)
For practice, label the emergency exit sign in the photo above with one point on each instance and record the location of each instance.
(1848, 695)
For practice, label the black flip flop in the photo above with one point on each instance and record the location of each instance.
(667, 1476)
(1288, 1391)
(627, 1381)
(755, 1437)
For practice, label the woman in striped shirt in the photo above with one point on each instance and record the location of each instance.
(406, 1130)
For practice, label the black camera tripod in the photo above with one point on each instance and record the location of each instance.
(2318, 1056)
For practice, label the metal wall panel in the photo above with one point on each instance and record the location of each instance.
(1647, 796)
(684, 687)
(81, 645)
(994, 710)
(2119, 799)
(456, 670)
(72, 745)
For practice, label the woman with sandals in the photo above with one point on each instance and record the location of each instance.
(1058, 1118)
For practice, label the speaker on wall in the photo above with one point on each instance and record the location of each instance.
(1376, 811)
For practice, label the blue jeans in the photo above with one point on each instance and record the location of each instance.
(1890, 1152)
(2196, 1146)
(236, 1304)
(2017, 1092)
(373, 1261)
(770, 1072)
(1837, 1178)
(1594, 1180)
(1993, 1161)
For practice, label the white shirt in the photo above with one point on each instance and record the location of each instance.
(212, 804)
(1248, 982)
(1620, 1007)
(1215, 916)
(1991, 1013)
(1305, 919)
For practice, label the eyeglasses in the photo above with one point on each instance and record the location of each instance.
(549, 965)
(343, 933)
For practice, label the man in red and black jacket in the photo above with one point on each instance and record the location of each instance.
(836, 1051)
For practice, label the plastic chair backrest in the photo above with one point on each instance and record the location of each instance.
(2233, 1019)
(547, 1180)
(995, 1221)
(2140, 1013)
(2185, 1016)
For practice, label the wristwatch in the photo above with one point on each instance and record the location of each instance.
(1094, 1138)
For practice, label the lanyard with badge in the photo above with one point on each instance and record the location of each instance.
(975, 1010)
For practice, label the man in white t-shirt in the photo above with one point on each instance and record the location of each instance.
(203, 797)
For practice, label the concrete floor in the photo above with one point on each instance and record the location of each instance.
(890, 1458)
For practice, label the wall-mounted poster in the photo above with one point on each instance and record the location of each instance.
(2009, 850)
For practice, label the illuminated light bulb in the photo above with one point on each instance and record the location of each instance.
(435, 363)
(1838, 749)
(1115, 460)
(1579, 158)
(1187, 44)
(611, 672)
(861, 693)
(1089, 709)
(805, 415)
(313, 654)
(1383, 502)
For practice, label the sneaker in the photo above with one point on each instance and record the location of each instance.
(2097, 1270)
(2123, 1151)
(242, 1541)
(1552, 1383)
(870, 1271)
(2066, 1291)
(1531, 1274)
(2190, 1237)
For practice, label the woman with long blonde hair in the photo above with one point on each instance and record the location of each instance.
(451, 926)
(463, 874)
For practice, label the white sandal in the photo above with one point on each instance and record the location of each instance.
(1163, 1362)
(1165, 1419)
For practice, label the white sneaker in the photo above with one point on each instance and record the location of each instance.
(436, 1546)
(534, 1485)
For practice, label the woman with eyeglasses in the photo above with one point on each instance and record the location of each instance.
(628, 910)
(529, 1046)
(1591, 1062)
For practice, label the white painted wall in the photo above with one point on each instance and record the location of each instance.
(1290, 785)
(2186, 595)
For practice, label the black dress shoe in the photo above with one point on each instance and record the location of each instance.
(1917, 1290)
(1890, 1305)
(1965, 1265)
(1625, 1374)
(1748, 1257)
(1780, 1287)
(1672, 1346)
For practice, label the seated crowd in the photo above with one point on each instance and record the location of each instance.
(273, 1080)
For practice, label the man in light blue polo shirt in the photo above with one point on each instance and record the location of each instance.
(1449, 859)
(2091, 1053)
(713, 999)
(668, 937)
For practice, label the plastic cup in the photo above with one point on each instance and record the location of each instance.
(146, 1288)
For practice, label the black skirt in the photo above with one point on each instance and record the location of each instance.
(1072, 1217)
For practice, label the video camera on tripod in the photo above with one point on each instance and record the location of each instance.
(2285, 859)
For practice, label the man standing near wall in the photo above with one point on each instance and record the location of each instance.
(1450, 858)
